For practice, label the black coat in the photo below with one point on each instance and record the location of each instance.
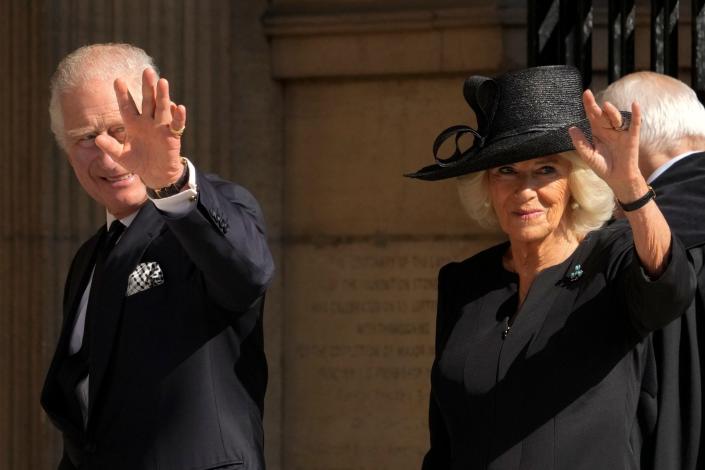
(177, 372)
(561, 391)
(671, 404)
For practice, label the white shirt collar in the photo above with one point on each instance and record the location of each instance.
(126, 221)
(662, 169)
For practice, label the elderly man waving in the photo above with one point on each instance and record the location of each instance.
(160, 360)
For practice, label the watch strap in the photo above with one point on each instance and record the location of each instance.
(174, 188)
(639, 203)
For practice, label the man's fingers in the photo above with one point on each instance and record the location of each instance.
(149, 83)
(127, 106)
(109, 145)
(178, 117)
(162, 113)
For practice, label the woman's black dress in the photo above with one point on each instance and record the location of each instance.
(560, 390)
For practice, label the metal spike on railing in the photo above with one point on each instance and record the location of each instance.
(583, 43)
(698, 48)
(664, 36)
(560, 32)
(621, 27)
(544, 40)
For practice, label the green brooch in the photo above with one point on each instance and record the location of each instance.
(575, 274)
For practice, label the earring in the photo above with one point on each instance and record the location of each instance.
(574, 205)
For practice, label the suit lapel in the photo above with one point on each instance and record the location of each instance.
(76, 284)
(79, 275)
(111, 294)
(78, 279)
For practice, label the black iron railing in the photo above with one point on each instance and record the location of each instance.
(560, 32)
(621, 27)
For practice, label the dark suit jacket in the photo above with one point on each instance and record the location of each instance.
(177, 372)
(671, 403)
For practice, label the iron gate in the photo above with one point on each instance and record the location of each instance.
(560, 32)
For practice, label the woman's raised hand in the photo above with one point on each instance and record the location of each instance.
(614, 152)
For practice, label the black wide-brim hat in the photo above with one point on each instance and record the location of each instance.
(520, 115)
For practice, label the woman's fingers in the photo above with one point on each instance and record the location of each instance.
(592, 109)
(602, 119)
(635, 125)
(585, 150)
(614, 117)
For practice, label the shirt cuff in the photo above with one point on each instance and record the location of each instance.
(182, 203)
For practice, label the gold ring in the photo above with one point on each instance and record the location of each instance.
(177, 133)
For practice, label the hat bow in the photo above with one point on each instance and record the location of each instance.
(482, 94)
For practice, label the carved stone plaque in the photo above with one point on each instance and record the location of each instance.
(359, 345)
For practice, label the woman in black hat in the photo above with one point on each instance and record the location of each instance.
(541, 341)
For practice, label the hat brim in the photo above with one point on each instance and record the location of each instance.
(512, 149)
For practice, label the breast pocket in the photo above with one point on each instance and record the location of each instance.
(145, 276)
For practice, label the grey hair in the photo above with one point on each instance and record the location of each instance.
(671, 110)
(102, 62)
(591, 205)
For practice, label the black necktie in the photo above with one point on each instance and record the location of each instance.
(106, 245)
(75, 366)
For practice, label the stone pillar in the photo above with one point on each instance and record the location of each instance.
(26, 268)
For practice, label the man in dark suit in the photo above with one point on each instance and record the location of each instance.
(672, 160)
(160, 360)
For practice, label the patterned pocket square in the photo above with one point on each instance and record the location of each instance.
(145, 276)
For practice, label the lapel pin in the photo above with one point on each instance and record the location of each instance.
(575, 274)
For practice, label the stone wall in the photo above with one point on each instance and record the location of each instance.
(366, 90)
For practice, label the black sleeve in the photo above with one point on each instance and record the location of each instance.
(654, 303)
(225, 238)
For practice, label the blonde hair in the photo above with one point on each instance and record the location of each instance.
(592, 201)
(102, 62)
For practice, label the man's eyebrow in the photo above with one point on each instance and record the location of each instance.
(81, 131)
